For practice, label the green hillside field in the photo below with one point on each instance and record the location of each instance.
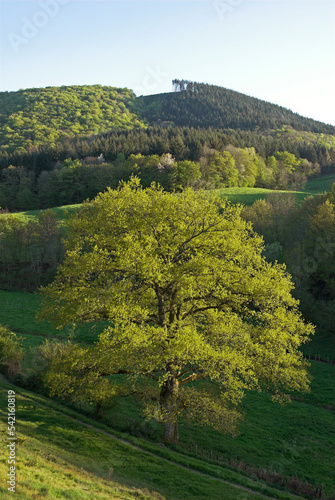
(62, 454)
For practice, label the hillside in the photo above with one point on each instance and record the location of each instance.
(53, 115)
(62, 454)
(61, 145)
(202, 105)
(32, 117)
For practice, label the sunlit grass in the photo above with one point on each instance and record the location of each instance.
(61, 212)
(58, 457)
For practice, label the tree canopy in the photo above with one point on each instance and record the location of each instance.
(195, 315)
(203, 105)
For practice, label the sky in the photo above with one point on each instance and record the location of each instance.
(277, 50)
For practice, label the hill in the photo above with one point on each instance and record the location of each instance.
(30, 118)
(61, 145)
(36, 116)
(202, 105)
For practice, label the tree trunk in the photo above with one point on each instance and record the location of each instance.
(169, 409)
(171, 432)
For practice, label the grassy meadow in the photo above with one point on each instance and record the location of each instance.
(248, 196)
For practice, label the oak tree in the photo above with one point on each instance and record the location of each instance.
(195, 315)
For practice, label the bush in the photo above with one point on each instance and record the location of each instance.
(10, 353)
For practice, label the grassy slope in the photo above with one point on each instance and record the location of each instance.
(320, 184)
(248, 196)
(58, 457)
(302, 444)
(18, 311)
(45, 470)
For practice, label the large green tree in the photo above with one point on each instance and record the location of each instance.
(195, 315)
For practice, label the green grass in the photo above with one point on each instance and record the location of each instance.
(297, 439)
(247, 196)
(18, 310)
(61, 212)
(320, 184)
(58, 457)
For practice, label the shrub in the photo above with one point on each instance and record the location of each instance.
(10, 353)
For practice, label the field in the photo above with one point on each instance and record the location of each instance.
(320, 184)
(247, 196)
(302, 445)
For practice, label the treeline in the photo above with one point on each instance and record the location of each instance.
(72, 181)
(183, 143)
(202, 105)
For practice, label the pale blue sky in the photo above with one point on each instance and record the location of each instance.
(280, 51)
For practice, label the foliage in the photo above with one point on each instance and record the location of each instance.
(188, 296)
(73, 181)
(321, 243)
(69, 366)
(10, 352)
(32, 117)
(29, 250)
(202, 105)
(303, 236)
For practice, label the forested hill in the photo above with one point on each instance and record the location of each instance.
(53, 115)
(202, 105)
(37, 116)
